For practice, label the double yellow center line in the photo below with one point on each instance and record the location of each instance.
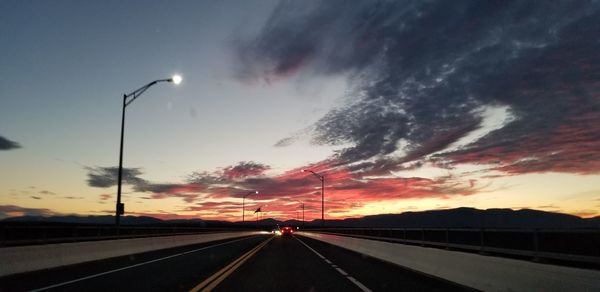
(214, 280)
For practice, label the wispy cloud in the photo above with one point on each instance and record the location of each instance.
(414, 98)
(244, 169)
(536, 60)
(6, 144)
(104, 177)
(104, 197)
(218, 194)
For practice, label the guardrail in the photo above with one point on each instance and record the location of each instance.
(485, 273)
(579, 246)
(25, 234)
(21, 259)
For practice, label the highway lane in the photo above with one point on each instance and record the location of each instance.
(175, 269)
(257, 263)
(296, 263)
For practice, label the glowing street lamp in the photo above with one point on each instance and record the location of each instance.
(322, 179)
(176, 79)
(128, 99)
(244, 204)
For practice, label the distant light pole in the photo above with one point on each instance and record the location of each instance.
(322, 179)
(127, 99)
(244, 204)
(302, 204)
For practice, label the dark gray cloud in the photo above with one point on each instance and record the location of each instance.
(423, 70)
(244, 169)
(104, 177)
(6, 144)
(206, 178)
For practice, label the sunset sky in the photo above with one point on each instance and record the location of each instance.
(401, 105)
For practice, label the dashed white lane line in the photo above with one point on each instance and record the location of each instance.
(350, 278)
(357, 283)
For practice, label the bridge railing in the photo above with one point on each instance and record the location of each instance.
(30, 234)
(572, 245)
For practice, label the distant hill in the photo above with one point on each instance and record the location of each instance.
(449, 218)
(471, 218)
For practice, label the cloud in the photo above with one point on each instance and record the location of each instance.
(422, 70)
(218, 194)
(104, 197)
(229, 206)
(104, 177)
(188, 198)
(244, 169)
(345, 190)
(36, 197)
(72, 198)
(16, 211)
(6, 144)
(286, 141)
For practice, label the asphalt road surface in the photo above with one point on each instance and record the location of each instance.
(257, 263)
(296, 263)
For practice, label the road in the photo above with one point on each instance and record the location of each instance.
(256, 263)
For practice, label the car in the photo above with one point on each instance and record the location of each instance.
(287, 230)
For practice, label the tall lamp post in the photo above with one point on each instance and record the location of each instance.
(244, 204)
(128, 99)
(322, 179)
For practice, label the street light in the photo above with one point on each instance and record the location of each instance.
(128, 99)
(176, 79)
(244, 204)
(322, 179)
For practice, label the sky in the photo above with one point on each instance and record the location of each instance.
(400, 105)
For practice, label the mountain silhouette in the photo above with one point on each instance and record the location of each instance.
(471, 218)
(448, 218)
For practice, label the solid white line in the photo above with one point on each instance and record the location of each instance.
(356, 282)
(133, 266)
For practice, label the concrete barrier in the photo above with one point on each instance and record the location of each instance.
(37, 257)
(481, 272)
